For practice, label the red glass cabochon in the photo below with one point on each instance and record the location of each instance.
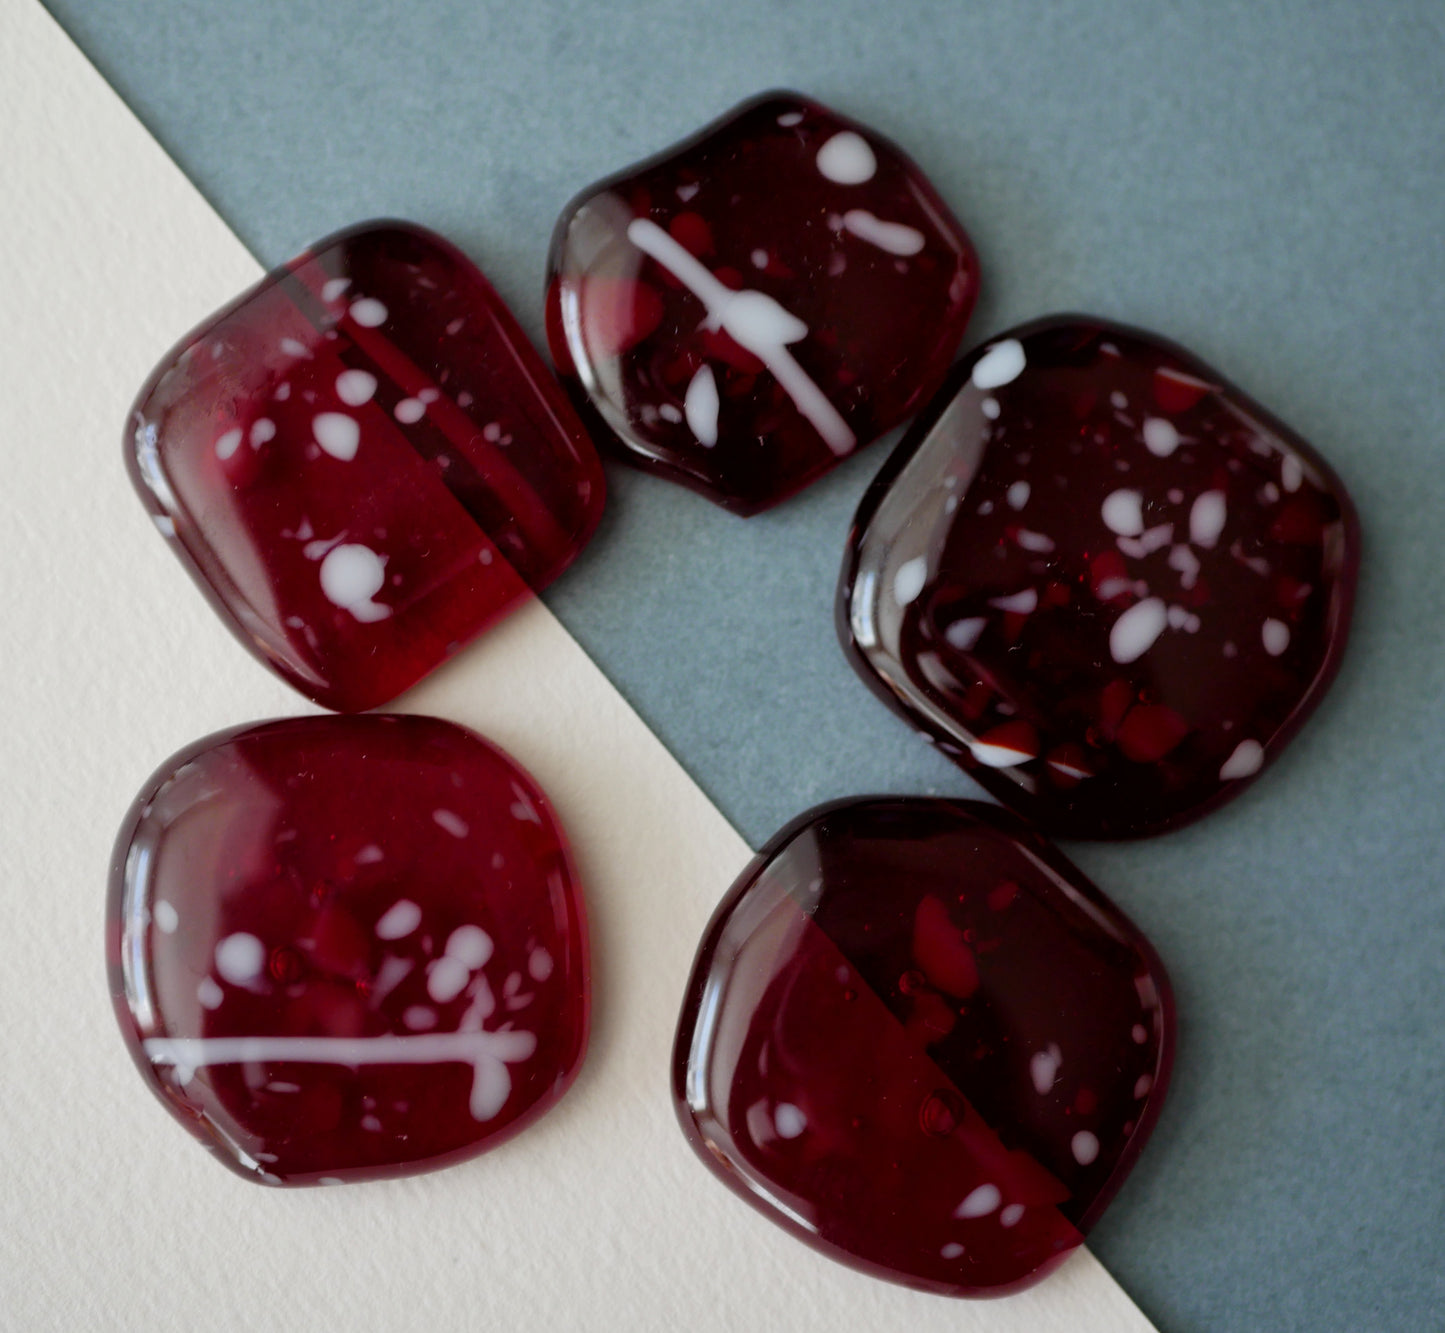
(916, 1037)
(363, 462)
(1107, 583)
(343, 948)
(751, 305)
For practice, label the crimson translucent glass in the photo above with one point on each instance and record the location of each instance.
(750, 306)
(1105, 581)
(347, 947)
(916, 1037)
(364, 462)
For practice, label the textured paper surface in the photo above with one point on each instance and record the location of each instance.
(109, 1216)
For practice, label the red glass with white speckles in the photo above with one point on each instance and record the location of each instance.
(916, 1037)
(747, 308)
(363, 462)
(1104, 580)
(342, 948)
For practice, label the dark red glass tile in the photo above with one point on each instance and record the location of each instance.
(1109, 584)
(363, 462)
(916, 1037)
(342, 948)
(750, 306)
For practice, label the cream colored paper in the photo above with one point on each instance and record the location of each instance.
(598, 1216)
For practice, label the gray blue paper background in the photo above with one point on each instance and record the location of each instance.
(1264, 183)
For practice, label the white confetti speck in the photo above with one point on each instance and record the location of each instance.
(891, 237)
(1033, 541)
(1044, 1068)
(992, 755)
(1002, 364)
(166, 917)
(1011, 1216)
(368, 312)
(228, 443)
(338, 434)
(980, 1203)
(351, 575)
(240, 958)
(470, 945)
(1206, 519)
(409, 411)
(1160, 437)
(453, 823)
(399, 920)
(1135, 631)
(1018, 495)
(1123, 513)
(1023, 603)
(1085, 1147)
(446, 978)
(355, 387)
(263, 431)
(700, 406)
(1183, 559)
(963, 634)
(1275, 636)
(1149, 541)
(1247, 760)
(846, 159)
(789, 1121)
(909, 579)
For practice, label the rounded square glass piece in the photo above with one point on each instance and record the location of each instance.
(1107, 583)
(343, 948)
(916, 1037)
(363, 462)
(748, 307)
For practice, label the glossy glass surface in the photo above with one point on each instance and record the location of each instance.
(753, 304)
(1105, 581)
(347, 947)
(363, 462)
(916, 1037)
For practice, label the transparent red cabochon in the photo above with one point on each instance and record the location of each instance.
(1105, 581)
(343, 948)
(916, 1037)
(747, 308)
(363, 463)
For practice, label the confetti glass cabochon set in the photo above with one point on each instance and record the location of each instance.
(1101, 578)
